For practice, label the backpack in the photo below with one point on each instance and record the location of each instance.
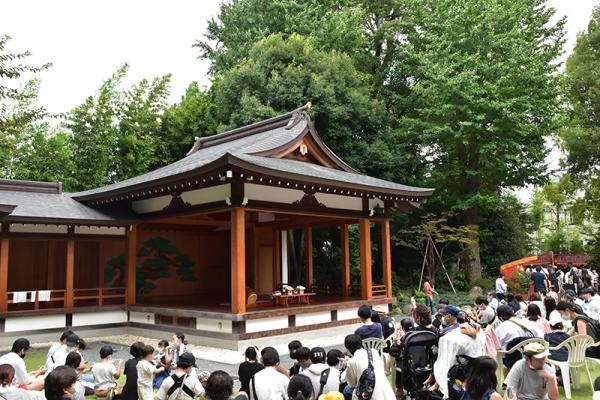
(457, 376)
(366, 382)
(323, 381)
(179, 384)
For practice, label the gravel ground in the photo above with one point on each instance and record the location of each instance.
(207, 358)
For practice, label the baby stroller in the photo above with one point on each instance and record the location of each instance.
(418, 352)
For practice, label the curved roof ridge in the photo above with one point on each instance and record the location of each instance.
(246, 130)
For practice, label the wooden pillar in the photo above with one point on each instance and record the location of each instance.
(51, 256)
(276, 259)
(309, 258)
(345, 259)
(4, 244)
(387, 257)
(131, 265)
(238, 260)
(366, 279)
(70, 275)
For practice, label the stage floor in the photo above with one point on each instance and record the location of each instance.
(222, 310)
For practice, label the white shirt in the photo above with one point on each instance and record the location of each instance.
(14, 393)
(358, 363)
(500, 286)
(104, 375)
(592, 309)
(21, 375)
(145, 372)
(314, 374)
(509, 330)
(191, 381)
(494, 304)
(270, 385)
(51, 352)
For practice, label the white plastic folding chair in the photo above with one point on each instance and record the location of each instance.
(374, 344)
(576, 347)
(518, 348)
(593, 359)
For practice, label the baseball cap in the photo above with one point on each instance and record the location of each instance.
(536, 350)
(570, 293)
(555, 318)
(450, 309)
(317, 355)
(187, 358)
(106, 351)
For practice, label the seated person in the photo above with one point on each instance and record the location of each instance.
(293, 346)
(369, 329)
(319, 370)
(512, 327)
(485, 313)
(556, 336)
(437, 318)
(9, 391)
(531, 378)
(449, 319)
(16, 359)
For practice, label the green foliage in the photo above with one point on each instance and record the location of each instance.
(282, 74)
(519, 282)
(18, 108)
(564, 241)
(581, 135)
(192, 117)
(115, 134)
(504, 233)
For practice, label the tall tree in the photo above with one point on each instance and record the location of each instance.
(581, 135)
(192, 117)
(116, 133)
(484, 96)
(282, 74)
(18, 106)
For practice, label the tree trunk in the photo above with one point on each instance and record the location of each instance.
(471, 256)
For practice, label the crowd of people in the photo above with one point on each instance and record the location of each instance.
(563, 303)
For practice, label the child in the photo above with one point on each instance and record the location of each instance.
(106, 373)
(146, 370)
(163, 357)
(130, 389)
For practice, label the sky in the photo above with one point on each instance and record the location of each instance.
(86, 41)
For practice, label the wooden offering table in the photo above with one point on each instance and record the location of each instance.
(287, 299)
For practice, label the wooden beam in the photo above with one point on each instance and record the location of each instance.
(387, 257)
(276, 258)
(4, 246)
(366, 276)
(238, 260)
(131, 265)
(345, 262)
(70, 275)
(309, 257)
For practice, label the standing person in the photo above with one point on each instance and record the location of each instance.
(248, 368)
(163, 358)
(429, 291)
(130, 370)
(539, 280)
(146, 370)
(269, 383)
(16, 358)
(369, 329)
(359, 363)
(531, 378)
(293, 347)
(183, 384)
(179, 347)
(60, 384)
(500, 287)
(481, 381)
(106, 373)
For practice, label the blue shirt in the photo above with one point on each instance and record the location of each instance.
(538, 279)
(370, 331)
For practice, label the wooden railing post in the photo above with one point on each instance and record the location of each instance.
(4, 245)
(366, 275)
